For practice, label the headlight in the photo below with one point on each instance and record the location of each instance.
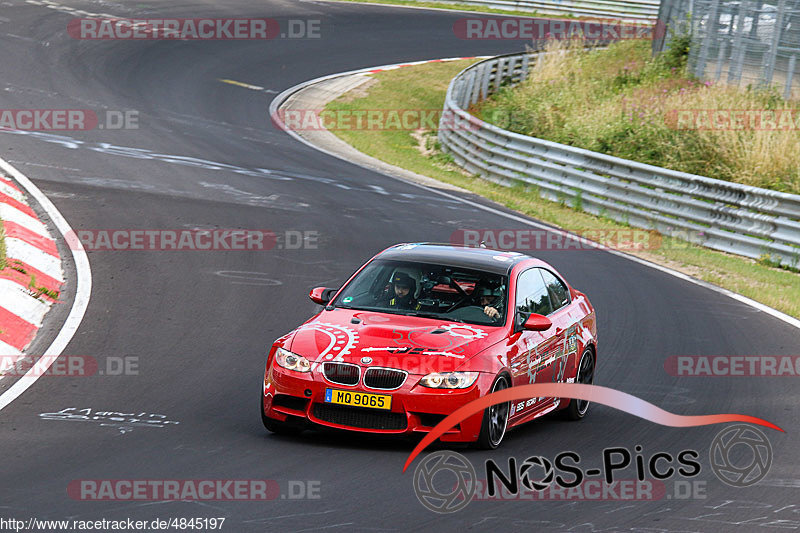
(450, 380)
(292, 361)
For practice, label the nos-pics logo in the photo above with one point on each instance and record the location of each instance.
(446, 481)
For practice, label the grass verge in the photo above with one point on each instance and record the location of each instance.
(458, 7)
(623, 102)
(2, 246)
(424, 86)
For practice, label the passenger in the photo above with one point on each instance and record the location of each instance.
(402, 292)
(491, 302)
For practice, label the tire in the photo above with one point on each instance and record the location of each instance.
(276, 426)
(577, 409)
(495, 420)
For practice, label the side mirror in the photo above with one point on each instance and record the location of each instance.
(321, 295)
(537, 323)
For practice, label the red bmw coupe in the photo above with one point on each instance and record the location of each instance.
(420, 330)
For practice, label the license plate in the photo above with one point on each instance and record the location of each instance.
(358, 399)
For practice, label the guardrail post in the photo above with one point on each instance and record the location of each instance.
(518, 65)
(461, 99)
(476, 85)
(525, 67)
(470, 87)
(464, 102)
(498, 78)
(487, 74)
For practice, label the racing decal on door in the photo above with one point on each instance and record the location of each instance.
(570, 347)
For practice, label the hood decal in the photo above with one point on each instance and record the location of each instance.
(400, 340)
(464, 331)
(332, 340)
(409, 350)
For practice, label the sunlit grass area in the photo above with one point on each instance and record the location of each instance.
(620, 101)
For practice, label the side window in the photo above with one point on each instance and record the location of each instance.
(559, 294)
(532, 296)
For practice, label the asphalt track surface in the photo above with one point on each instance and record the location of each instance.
(199, 323)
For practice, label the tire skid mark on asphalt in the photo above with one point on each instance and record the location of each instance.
(258, 172)
(180, 118)
(273, 200)
(248, 278)
(40, 165)
(69, 10)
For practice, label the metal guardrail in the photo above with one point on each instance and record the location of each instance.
(614, 9)
(718, 214)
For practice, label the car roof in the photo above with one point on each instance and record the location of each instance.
(483, 259)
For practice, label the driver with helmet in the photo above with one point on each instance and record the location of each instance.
(401, 292)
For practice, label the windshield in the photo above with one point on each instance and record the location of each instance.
(429, 290)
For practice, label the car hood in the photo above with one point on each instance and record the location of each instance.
(417, 345)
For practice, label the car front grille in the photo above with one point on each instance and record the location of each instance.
(360, 418)
(341, 373)
(384, 378)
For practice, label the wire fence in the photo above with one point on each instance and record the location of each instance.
(739, 43)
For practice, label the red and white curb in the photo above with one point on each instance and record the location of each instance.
(32, 262)
(83, 280)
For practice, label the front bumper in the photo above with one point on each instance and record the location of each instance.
(289, 395)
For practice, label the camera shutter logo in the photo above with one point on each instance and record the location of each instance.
(544, 464)
(723, 457)
(459, 495)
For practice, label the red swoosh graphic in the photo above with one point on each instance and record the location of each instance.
(593, 393)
